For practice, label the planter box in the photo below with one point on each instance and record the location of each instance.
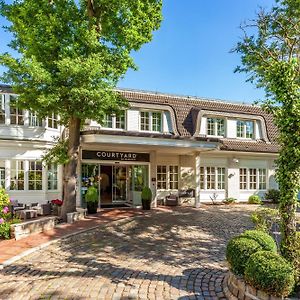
(21, 230)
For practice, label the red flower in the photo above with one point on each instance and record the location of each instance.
(57, 202)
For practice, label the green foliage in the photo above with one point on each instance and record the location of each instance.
(58, 154)
(265, 218)
(296, 258)
(91, 194)
(4, 198)
(5, 230)
(230, 200)
(270, 272)
(238, 251)
(254, 199)
(271, 56)
(146, 193)
(265, 240)
(273, 195)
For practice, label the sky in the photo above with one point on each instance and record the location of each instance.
(190, 53)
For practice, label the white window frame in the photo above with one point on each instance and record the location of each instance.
(215, 175)
(151, 123)
(257, 179)
(19, 113)
(244, 126)
(34, 120)
(17, 166)
(114, 121)
(52, 121)
(35, 171)
(2, 110)
(170, 177)
(215, 126)
(52, 181)
(2, 175)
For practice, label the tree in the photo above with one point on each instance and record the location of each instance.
(70, 55)
(271, 57)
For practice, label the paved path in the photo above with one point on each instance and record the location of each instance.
(164, 254)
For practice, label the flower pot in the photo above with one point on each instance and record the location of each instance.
(146, 204)
(92, 207)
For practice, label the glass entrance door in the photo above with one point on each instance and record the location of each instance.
(120, 184)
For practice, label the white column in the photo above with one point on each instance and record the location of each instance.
(7, 173)
(152, 173)
(233, 178)
(197, 180)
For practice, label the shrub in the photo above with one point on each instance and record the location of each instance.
(273, 195)
(230, 200)
(238, 251)
(270, 272)
(146, 193)
(265, 218)
(91, 194)
(265, 240)
(254, 199)
(296, 258)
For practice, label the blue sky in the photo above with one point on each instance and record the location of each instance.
(189, 54)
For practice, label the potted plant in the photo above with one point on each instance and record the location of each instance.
(56, 206)
(146, 198)
(91, 199)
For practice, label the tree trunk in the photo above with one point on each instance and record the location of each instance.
(70, 174)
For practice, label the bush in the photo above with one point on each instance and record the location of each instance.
(265, 218)
(270, 272)
(265, 240)
(238, 251)
(254, 199)
(273, 195)
(230, 200)
(296, 258)
(146, 193)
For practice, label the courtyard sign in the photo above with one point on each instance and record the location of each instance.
(116, 156)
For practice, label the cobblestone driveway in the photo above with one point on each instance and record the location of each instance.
(165, 254)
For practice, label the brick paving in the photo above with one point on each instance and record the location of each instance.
(164, 254)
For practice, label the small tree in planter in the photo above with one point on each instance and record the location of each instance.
(146, 198)
(91, 198)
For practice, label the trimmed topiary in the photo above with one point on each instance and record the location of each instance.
(238, 251)
(254, 199)
(265, 240)
(271, 273)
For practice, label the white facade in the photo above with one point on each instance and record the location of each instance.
(176, 163)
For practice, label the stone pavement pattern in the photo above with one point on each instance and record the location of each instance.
(164, 254)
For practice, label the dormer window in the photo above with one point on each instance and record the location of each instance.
(34, 120)
(151, 121)
(16, 114)
(215, 126)
(2, 109)
(114, 121)
(245, 129)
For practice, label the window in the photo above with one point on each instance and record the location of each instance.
(167, 177)
(151, 121)
(2, 174)
(145, 120)
(243, 179)
(16, 114)
(253, 179)
(212, 178)
(17, 175)
(216, 126)
(262, 179)
(52, 121)
(245, 129)
(115, 121)
(2, 110)
(161, 177)
(120, 120)
(35, 175)
(34, 120)
(221, 178)
(156, 121)
(173, 177)
(107, 122)
(52, 177)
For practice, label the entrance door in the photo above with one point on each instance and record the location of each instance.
(120, 184)
(106, 184)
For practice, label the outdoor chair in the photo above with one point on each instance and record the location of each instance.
(171, 200)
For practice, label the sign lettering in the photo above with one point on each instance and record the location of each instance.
(116, 156)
